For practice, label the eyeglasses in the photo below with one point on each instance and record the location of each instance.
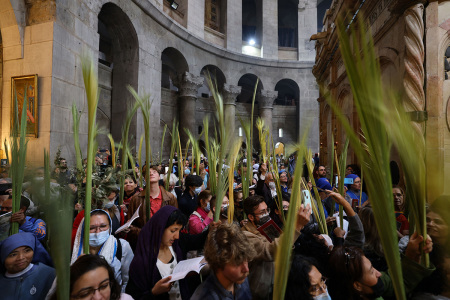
(102, 227)
(317, 289)
(91, 291)
(285, 207)
(266, 211)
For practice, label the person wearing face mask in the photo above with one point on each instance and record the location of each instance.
(189, 200)
(202, 216)
(278, 215)
(262, 266)
(305, 280)
(352, 275)
(266, 186)
(117, 252)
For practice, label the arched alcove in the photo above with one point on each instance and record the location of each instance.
(288, 23)
(252, 22)
(173, 65)
(217, 77)
(118, 68)
(248, 82)
(288, 93)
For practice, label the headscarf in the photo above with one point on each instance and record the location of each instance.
(324, 184)
(108, 249)
(353, 176)
(25, 239)
(143, 270)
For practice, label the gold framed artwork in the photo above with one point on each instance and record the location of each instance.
(21, 86)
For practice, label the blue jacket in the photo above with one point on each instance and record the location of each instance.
(211, 289)
(36, 226)
(34, 284)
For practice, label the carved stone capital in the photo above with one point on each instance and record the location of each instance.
(230, 92)
(399, 7)
(266, 99)
(189, 84)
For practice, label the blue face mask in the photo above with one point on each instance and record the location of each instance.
(198, 190)
(208, 207)
(323, 296)
(187, 171)
(98, 239)
(234, 185)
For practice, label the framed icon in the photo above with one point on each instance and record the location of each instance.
(22, 86)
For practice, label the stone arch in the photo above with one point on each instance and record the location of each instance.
(118, 65)
(390, 73)
(288, 93)
(217, 76)
(174, 64)
(247, 82)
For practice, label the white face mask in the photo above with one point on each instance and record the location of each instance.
(98, 239)
(323, 296)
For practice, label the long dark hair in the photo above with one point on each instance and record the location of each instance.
(91, 262)
(345, 267)
(299, 283)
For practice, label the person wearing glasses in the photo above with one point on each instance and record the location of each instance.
(352, 275)
(305, 281)
(91, 277)
(24, 271)
(117, 252)
(262, 267)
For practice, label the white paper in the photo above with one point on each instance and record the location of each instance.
(185, 266)
(128, 224)
(338, 222)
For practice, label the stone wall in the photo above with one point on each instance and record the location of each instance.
(52, 49)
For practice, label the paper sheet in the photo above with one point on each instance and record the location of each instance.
(128, 224)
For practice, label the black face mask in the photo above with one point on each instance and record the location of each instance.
(285, 212)
(377, 289)
(263, 220)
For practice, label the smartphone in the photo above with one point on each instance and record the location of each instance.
(348, 180)
(307, 198)
(4, 187)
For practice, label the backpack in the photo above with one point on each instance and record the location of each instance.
(119, 249)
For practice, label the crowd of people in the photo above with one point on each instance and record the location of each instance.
(138, 261)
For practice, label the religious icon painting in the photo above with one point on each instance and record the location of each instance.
(25, 87)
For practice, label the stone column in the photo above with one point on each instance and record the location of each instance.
(307, 26)
(189, 85)
(270, 29)
(230, 92)
(266, 107)
(234, 26)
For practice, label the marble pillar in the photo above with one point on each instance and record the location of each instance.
(188, 86)
(265, 101)
(230, 92)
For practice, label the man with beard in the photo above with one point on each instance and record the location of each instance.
(62, 173)
(261, 267)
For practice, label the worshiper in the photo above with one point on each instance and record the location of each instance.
(352, 169)
(130, 188)
(319, 172)
(173, 179)
(203, 215)
(238, 205)
(91, 277)
(114, 211)
(159, 197)
(354, 190)
(188, 201)
(227, 252)
(278, 214)
(438, 227)
(352, 276)
(117, 252)
(400, 216)
(160, 247)
(223, 216)
(26, 223)
(305, 281)
(262, 267)
(284, 181)
(24, 272)
(265, 186)
(372, 248)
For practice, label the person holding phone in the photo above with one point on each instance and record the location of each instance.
(354, 190)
